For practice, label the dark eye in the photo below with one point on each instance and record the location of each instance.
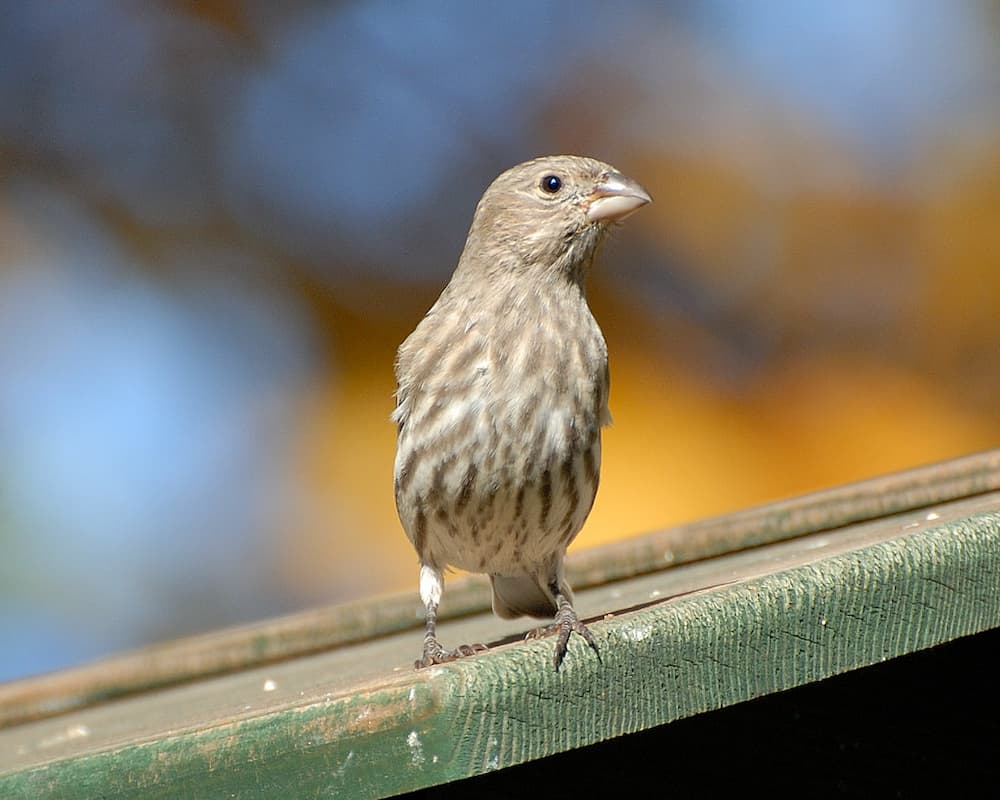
(551, 184)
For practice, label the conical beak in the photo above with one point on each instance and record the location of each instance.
(614, 198)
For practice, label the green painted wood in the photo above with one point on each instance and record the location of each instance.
(316, 630)
(358, 722)
(827, 509)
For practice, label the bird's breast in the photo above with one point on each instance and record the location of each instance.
(498, 459)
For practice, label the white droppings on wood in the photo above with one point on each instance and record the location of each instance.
(493, 758)
(416, 749)
(638, 632)
(72, 732)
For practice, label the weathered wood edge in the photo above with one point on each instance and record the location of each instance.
(662, 663)
(828, 509)
(318, 629)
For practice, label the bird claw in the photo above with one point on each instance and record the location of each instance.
(540, 632)
(566, 628)
(566, 623)
(434, 653)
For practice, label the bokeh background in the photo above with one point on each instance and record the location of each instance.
(218, 219)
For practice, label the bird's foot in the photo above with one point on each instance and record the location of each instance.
(566, 623)
(435, 653)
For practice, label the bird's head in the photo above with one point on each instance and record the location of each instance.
(549, 215)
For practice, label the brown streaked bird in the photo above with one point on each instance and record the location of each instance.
(502, 391)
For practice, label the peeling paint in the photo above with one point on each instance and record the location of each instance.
(339, 772)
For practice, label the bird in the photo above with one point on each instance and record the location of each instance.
(501, 395)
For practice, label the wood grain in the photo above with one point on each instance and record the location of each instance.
(313, 631)
(357, 721)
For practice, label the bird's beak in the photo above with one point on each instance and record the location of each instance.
(614, 198)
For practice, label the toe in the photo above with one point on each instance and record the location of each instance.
(438, 655)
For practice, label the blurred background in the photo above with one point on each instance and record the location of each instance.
(218, 219)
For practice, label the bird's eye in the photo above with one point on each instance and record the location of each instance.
(551, 184)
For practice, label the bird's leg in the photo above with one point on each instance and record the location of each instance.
(565, 623)
(434, 653)
(431, 587)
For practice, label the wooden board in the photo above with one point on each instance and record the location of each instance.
(320, 629)
(359, 721)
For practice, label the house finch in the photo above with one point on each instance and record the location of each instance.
(502, 391)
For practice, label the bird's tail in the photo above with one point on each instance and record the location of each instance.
(523, 595)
